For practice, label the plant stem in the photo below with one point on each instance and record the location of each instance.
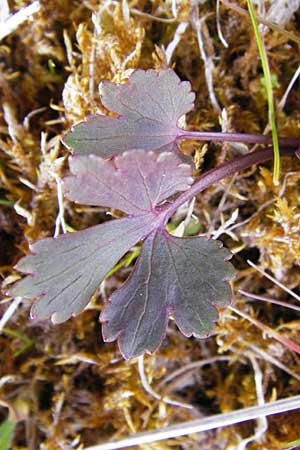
(269, 91)
(273, 26)
(236, 137)
(224, 170)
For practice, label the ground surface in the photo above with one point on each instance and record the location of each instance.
(61, 385)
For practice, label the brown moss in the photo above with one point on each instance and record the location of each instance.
(67, 386)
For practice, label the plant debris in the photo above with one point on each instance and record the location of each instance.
(59, 384)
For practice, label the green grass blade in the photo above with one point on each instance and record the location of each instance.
(6, 433)
(124, 262)
(27, 341)
(292, 444)
(5, 202)
(269, 91)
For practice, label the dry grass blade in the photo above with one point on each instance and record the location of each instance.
(10, 24)
(209, 423)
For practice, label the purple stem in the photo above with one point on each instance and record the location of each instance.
(235, 137)
(224, 170)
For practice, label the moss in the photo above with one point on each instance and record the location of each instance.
(68, 386)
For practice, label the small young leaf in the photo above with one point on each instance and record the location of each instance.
(183, 277)
(148, 107)
(65, 271)
(134, 182)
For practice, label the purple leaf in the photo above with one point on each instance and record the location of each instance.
(134, 182)
(148, 107)
(183, 277)
(66, 271)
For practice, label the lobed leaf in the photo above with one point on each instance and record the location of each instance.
(65, 271)
(183, 277)
(149, 106)
(135, 182)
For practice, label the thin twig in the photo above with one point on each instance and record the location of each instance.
(262, 424)
(244, 222)
(219, 29)
(221, 204)
(154, 394)
(174, 8)
(9, 312)
(283, 100)
(264, 355)
(282, 286)
(269, 300)
(92, 66)
(264, 205)
(180, 30)
(26, 120)
(225, 226)
(192, 366)
(197, 23)
(144, 380)
(4, 11)
(271, 25)
(60, 220)
(126, 11)
(291, 345)
(14, 21)
(137, 12)
(180, 229)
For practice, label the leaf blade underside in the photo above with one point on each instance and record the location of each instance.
(149, 106)
(185, 277)
(66, 271)
(135, 182)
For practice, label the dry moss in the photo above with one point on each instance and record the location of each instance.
(67, 389)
